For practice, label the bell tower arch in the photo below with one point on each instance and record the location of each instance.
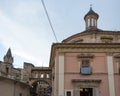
(91, 19)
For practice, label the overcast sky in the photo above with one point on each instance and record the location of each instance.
(25, 29)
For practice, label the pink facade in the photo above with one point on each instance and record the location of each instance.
(88, 63)
(99, 71)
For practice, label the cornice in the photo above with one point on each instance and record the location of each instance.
(88, 48)
(84, 47)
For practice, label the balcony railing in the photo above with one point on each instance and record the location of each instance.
(86, 71)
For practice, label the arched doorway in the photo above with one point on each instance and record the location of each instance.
(41, 88)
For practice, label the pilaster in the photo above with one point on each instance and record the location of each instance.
(61, 75)
(110, 75)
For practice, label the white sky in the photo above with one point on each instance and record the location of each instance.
(25, 29)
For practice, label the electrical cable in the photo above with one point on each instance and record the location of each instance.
(49, 20)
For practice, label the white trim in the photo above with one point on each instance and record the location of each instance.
(61, 75)
(55, 83)
(118, 66)
(110, 76)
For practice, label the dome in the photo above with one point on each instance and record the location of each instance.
(91, 12)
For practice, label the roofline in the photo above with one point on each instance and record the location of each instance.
(57, 46)
(15, 80)
(91, 31)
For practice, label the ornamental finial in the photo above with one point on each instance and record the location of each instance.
(90, 6)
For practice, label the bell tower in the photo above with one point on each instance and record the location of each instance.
(8, 57)
(91, 20)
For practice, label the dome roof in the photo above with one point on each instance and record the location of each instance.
(91, 12)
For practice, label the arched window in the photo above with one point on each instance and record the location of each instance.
(92, 22)
(95, 23)
(88, 22)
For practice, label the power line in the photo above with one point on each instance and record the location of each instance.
(49, 20)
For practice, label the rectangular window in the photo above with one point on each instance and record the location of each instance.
(68, 93)
(20, 94)
(47, 76)
(85, 63)
(85, 67)
(36, 75)
(41, 75)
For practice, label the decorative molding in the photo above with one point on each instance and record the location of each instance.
(109, 54)
(88, 55)
(106, 37)
(117, 56)
(78, 41)
(83, 47)
(86, 83)
(100, 73)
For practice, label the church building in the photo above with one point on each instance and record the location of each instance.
(87, 63)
